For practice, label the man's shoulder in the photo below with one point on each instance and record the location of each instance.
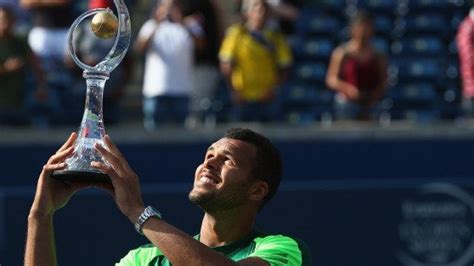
(140, 256)
(278, 246)
(262, 237)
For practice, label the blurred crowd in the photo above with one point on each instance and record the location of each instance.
(201, 62)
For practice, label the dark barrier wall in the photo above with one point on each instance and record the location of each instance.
(354, 202)
(303, 160)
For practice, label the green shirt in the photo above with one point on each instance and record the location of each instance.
(275, 249)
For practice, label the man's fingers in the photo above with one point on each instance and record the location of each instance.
(111, 145)
(110, 157)
(61, 155)
(107, 169)
(52, 167)
(116, 151)
(70, 141)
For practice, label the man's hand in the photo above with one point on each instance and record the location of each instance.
(125, 187)
(51, 194)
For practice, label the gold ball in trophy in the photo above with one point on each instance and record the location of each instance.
(104, 24)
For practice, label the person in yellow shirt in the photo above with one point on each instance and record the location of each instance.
(255, 60)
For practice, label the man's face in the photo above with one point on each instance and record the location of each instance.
(223, 180)
(257, 13)
(162, 9)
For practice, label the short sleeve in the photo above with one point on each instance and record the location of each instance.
(283, 52)
(226, 53)
(128, 260)
(147, 29)
(278, 250)
(140, 256)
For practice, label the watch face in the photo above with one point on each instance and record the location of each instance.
(148, 211)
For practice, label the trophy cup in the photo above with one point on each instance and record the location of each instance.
(91, 131)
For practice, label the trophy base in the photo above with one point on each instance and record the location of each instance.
(81, 176)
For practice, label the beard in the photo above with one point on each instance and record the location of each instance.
(225, 199)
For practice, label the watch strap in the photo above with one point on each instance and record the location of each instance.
(147, 213)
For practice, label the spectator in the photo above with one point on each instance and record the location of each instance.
(48, 40)
(465, 43)
(91, 50)
(255, 59)
(51, 22)
(357, 72)
(206, 29)
(15, 56)
(168, 67)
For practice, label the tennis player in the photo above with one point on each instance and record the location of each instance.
(239, 174)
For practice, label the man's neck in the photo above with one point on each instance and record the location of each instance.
(226, 227)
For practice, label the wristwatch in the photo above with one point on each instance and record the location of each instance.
(144, 216)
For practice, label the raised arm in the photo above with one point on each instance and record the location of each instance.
(51, 195)
(172, 242)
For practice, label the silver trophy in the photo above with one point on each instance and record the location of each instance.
(92, 131)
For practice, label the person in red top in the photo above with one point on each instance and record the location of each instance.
(357, 72)
(465, 43)
(100, 3)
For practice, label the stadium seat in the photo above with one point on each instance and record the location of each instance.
(451, 101)
(421, 5)
(426, 23)
(417, 68)
(378, 6)
(314, 48)
(306, 103)
(314, 23)
(414, 46)
(414, 101)
(418, 93)
(457, 18)
(381, 44)
(310, 72)
(327, 5)
(383, 25)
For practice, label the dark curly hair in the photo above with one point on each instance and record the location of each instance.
(268, 165)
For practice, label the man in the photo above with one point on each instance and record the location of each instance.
(167, 81)
(465, 43)
(255, 60)
(15, 57)
(239, 174)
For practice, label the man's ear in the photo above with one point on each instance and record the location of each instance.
(259, 190)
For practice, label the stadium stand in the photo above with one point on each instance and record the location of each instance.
(417, 37)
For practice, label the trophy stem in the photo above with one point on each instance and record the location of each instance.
(91, 131)
(92, 125)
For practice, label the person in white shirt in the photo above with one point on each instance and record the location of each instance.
(168, 67)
